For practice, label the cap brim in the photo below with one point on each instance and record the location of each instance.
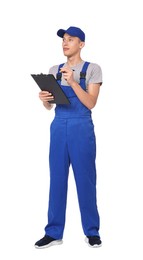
(61, 33)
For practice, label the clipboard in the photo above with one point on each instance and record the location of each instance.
(47, 82)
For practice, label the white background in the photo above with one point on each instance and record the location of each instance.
(29, 44)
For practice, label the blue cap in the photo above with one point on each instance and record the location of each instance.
(72, 31)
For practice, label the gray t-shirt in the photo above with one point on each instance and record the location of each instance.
(93, 74)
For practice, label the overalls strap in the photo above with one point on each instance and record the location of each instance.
(83, 74)
(59, 74)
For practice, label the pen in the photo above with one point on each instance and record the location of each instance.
(72, 70)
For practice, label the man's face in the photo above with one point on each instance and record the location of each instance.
(71, 45)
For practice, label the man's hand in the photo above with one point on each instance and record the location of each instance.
(45, 96)
(68, 75)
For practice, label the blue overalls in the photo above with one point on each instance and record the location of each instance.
(72, 142)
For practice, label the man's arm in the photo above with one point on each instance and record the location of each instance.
(89, 98)
(45, 96)
(48, 105)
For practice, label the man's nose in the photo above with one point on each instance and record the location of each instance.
(65, 43)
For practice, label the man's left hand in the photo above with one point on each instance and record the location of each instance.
(68, 75)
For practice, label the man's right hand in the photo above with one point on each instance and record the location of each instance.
(45, 96)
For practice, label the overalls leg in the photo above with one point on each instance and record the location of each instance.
(82, 150)
(59, 169)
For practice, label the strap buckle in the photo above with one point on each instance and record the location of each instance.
(82, 75)
(58, 76)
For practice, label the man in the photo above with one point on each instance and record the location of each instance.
(72, 141)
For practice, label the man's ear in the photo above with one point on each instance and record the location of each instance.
(81, 45)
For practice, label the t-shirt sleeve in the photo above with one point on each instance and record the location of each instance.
(95, 75)
(53, 70)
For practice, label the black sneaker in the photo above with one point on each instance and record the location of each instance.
(47, 241)
(93, 241)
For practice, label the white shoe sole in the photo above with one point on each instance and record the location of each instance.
(53, 243)
(94, 246)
